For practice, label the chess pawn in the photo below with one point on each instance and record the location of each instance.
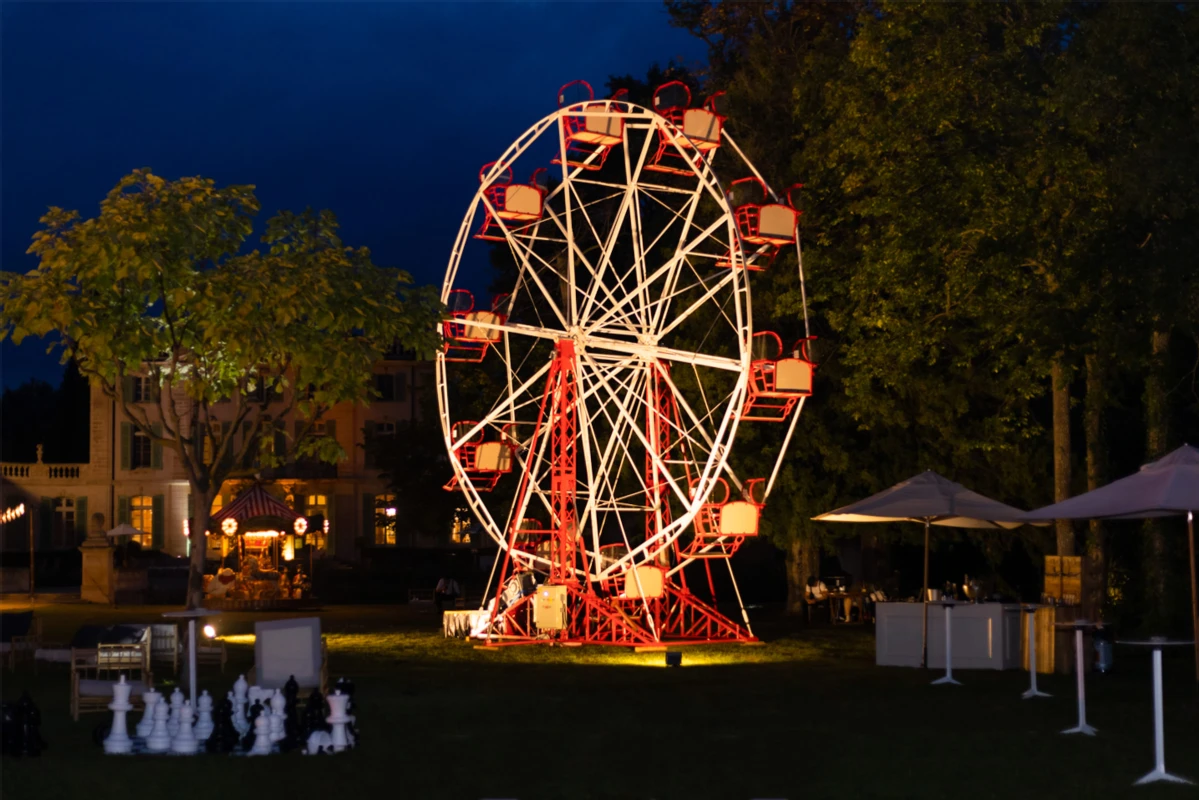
(252, 721)
(204, 723)
(262, 735)
(118, 741)
(31, 722)
(185, 743)
(224, 737)
(277, 719)
(318, 742)
(159, 740)
(240, 723)
(240, 688)
(151, 698)
(291, 714)
(338, 719)
(314, 713)
(176, 707)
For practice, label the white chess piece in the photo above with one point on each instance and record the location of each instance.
(159, 740)
(318, 741)
(176, 707)
(278, 704)
(151, 699)
(118, 741)
(184, 743)
(204, 724)
(240, 723)
(262, 736)
(338, 719)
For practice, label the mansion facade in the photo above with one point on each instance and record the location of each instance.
(130, 479)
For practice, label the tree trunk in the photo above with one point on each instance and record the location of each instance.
(802, 558)
(201, 508)
(1061, 452)
(1095, 592)
(1156, 441)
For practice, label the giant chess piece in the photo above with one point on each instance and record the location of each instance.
(291, 714)
(185, 743)
(150, 698)
(224, 736)
(238, 715)
(338, 719)
(277, 720)
(159, 740)
(10, 730)
(262, 734)
(255, 712)
(176, 707)
(204, 724)
(314, 714)
(240, 708)
(118, 741)
(32, 743)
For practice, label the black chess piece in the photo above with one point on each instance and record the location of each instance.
(10, 733)
(255, 712)
(315, 714)
(224, 736)
(32, 743)
(291, 715)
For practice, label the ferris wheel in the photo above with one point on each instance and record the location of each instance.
(590, 408)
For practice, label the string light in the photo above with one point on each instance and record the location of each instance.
(12, 513)
(229, 526)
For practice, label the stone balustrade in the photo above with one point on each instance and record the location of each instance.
(39, 471)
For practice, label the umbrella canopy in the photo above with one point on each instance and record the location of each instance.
(931, 498)
(934, 500)
(125, 529)
(255, 502)
(1161, 488)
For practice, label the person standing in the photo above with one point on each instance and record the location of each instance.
(447, 589)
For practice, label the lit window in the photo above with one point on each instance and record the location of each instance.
(64, 523)
(218, 503)
(385, 519)
(141, 516)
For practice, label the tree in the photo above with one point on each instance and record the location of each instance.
(156, 283)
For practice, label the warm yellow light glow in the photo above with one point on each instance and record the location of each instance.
(229, 526)
(289, 548)
(391, 512)
(12, 513)
(301, 525)
(210, 631)
(326, 526)
(262, 534)
(239, 638)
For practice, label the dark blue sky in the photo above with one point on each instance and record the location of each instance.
(381, 112)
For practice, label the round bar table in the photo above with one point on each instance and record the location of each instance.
(1078, 626)
(1031, 610)
(1159, 735)
(948, 606)
(191, 615)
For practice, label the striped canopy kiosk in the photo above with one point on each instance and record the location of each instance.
(260, 520)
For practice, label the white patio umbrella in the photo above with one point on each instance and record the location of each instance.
(125, 529)
(1161, 488)
(933, 500)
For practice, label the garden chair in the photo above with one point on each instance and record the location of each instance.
(93, 671)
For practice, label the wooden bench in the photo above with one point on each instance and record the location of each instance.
(93, 671)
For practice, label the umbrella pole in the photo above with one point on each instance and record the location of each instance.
(1194, 590)
(924, 599)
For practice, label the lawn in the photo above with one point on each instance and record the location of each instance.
(805, 715)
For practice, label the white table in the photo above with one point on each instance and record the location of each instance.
(1078, 626)
(1158, 773)
(191, 615)
(1031, 611)
(985, 635)
(948, 677)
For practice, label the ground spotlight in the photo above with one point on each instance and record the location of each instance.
(674, 659)
(210, 631)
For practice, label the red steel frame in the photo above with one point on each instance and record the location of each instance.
(596, 617)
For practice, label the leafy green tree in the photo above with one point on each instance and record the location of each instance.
(157, 283)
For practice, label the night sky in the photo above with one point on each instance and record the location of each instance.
(382, 113)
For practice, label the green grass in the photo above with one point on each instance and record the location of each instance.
(805, 715)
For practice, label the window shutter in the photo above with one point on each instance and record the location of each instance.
(156, 448)
(368, 517)
(368, 434)
(127, 388)
(331, 429)
(123, 514)
(45, 530)
(401, 387)
(158, 523)
(126, 444)
(81, 516)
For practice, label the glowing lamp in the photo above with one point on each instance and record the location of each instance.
(289, 547)
(229, 526)
(187, 528)
(300, 525)
(391, 512)
(210, 631)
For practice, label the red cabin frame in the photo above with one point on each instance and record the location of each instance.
(484, 462)
(765, 225)
(701, 129)
(777, 381)
(589, 137)
(722, 525)
(466, 335)
(522, 203)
